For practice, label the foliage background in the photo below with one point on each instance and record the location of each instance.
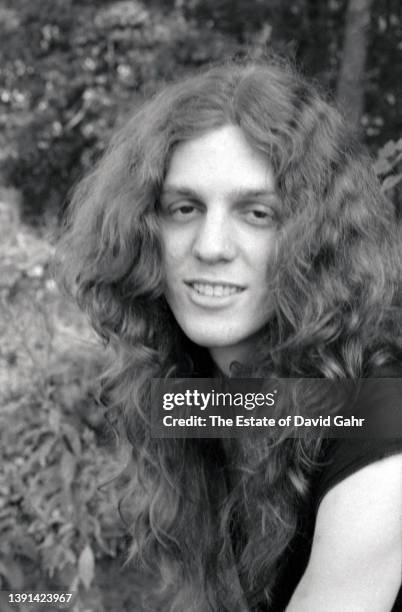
(70, 70)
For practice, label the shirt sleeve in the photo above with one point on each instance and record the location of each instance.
(381, 400)
(344, 457)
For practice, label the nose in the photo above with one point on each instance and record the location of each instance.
(214, 240)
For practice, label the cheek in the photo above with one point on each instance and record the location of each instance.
(261, 262)
(170, 256)
(173, 261)
(259, 249)
(176, 246)
(261, 301)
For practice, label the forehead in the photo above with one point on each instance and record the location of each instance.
(219, 160)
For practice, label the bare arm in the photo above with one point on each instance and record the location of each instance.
(356, 558)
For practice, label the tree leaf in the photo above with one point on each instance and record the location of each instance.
(391, 181)
(67, 467)
(73, 439)
(86, 566)
(388, 149)
(45, 450)
(382, 166)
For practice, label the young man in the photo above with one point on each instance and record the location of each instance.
(234, 226)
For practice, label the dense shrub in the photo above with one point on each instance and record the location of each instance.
(58, 524)
(388, 166)
(84, 68)
(72, 69)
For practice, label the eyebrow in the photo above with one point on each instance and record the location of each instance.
(236, 194)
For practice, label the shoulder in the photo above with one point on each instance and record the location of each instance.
(356, 556)
(364, 510)
(380, 404)
(359, 524)
(363, 476)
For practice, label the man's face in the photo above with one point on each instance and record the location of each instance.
(219, 214)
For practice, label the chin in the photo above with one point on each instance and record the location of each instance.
(209, 340)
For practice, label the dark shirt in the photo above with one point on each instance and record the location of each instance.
(339, 458)
(342, 458)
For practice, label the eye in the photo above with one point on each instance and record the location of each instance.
(182, 211)
(260, 215)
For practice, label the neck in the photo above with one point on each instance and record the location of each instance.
(224, 356)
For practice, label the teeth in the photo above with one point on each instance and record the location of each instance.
(215, 290)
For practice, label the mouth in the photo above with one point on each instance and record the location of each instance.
(214, 289)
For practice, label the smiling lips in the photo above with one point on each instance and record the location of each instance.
(215, 289)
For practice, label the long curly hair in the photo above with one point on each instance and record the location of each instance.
(213, 521)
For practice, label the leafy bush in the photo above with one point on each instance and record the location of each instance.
(83, 69)
(388, 167)
(58, 524)
(73, 69)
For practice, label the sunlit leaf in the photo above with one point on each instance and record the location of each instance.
(86, 566)
(391, 181)
(68, 466)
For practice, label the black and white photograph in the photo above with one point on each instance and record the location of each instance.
(200, 306)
